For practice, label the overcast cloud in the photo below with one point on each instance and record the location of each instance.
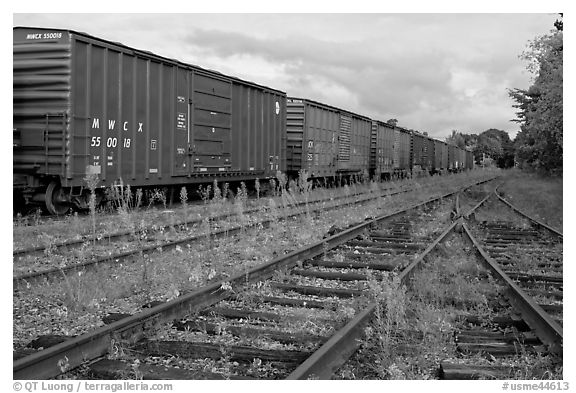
(432, 72)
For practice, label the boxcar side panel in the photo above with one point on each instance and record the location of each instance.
(210, 133)
(462, 158)
(388, 148)
(295, 123)
(402, 150)
(451, 156)
(383, 149)
(418, 151)
(257, 141)
(85, 105)
(130, 116)
(444, 147)
(42, 118)
(430, 151)
(359, 145)
(319, 142)
(437, 155)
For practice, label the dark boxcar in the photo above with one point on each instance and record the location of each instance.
(452, 158)
(445, 164)
(419, 152)
(382, 155)
(429, 152)
(437, 156)
(457, 158)
(325, 140)
(462, 159)
(83, 105)
(402, 151)
(469, 160)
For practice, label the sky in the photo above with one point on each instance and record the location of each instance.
(433, 72)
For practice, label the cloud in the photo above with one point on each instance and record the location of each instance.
(433, 72)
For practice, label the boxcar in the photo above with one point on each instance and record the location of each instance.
(422, 152)
(438, 164)
(325, 140)
(469, 160)
(452, 158)
(429, 152)
(382, 150)
(416, 148)
(445, 164)
(83, 105)
(462, 159)
(401, 154)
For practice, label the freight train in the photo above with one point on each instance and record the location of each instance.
(87, 107)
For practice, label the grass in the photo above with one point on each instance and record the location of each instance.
(413, 330)
(536, 195)
(495, 211)
(285, 193)
(165, 275)
(444, 285)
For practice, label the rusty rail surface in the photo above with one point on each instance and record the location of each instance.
(526, 215)
(59, 271)
(545, 327)
(122, 234)
(72, 353)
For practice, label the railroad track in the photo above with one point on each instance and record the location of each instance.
(299, 325)
(525, 257)
(65, 258)
(72, 244)
(464, 310)
(306, 270)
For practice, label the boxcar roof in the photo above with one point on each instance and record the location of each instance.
(329, 107)
(148, 54)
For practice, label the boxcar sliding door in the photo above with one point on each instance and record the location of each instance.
(210, 131)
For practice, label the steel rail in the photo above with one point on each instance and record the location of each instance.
(477, 206)
(457, 206)
(33, 276)
(545, 327)
(30, 277)
(121, 234)
(526, 215)
(342, 345)
(483, 201)
(72, 353)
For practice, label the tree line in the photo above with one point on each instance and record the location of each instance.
(538, 144)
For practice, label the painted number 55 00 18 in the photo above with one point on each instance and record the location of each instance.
(110, 142)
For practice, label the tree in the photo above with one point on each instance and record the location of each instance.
(456, 138)
(392, 122)
(497, 145)
(559, 24)
(539, 143)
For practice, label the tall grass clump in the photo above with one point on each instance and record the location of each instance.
(304, 186)
(257, 188)
(390, 319)
(92, 181)
(240, 202)
(126, 204)
(184, 203)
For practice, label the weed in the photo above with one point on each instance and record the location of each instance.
(282, 180)
(273, 187)
(184, 203)
(92, 181)
(257, 188)
(157, 195)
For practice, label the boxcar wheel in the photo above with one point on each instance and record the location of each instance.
(55, 202)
